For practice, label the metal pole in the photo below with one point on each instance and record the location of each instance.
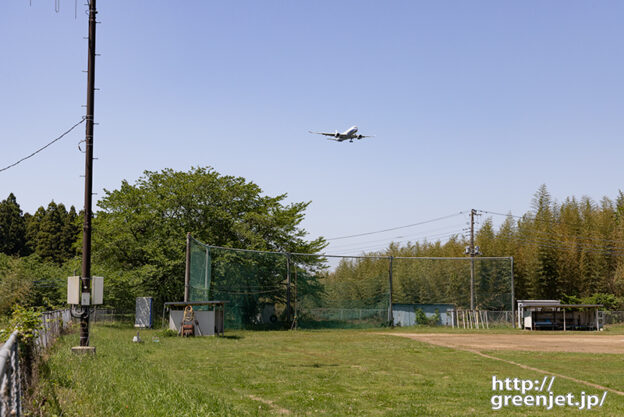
(187, 271)
(288, 288)
(86, 231)
(294, 325)
(513, 295)
(390, 315)
(206, 273)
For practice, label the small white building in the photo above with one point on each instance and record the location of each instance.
(208, 322)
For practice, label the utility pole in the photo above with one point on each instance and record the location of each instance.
(86, 235)
(472, 213)
(472, 251)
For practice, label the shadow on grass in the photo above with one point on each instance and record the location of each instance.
(315, 365)
(231, 337)
(338, 324)
(115, 324)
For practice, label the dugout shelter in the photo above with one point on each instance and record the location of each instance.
(553, 315)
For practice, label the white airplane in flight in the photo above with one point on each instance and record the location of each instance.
(346, 135)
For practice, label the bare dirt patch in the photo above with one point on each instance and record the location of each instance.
(590, 343)
(572, 343)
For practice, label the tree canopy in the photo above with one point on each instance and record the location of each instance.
(141, 228)
(574, 248)
(12, 227)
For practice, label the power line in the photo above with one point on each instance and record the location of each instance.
(399, 227)
(43, 147)
(423, 234)
(417, 239)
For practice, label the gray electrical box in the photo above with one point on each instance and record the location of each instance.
(97, 290)
(75, 295)
(143, 316)
(73, 290)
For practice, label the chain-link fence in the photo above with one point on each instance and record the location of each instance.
(613, 317)
(292, 289)
(108, 315)
(52, 324)
(12, 378)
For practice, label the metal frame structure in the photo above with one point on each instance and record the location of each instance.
(324, 255)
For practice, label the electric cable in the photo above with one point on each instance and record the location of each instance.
(43, 147)
(399, 227)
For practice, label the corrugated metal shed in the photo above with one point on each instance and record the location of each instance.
(405, 314)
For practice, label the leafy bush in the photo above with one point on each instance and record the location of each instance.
(435, 319)
(421, 317)
(26, 321)
(168, 333)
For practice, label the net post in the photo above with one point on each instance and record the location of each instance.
(513, 301)
(288, 288)
(187, 271)
(390, 316)
(294, 322)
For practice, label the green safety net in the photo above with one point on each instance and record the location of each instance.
(447, 281)
(341, 292)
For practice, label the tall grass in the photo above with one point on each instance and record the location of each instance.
(307, 372)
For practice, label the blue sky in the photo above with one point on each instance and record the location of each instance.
(472, 104)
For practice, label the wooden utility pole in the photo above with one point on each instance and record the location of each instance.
(86, 231)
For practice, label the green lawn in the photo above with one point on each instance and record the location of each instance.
(324, 373)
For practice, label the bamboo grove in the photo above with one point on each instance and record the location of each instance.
(571, 250)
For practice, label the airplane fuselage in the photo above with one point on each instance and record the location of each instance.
(347, 134)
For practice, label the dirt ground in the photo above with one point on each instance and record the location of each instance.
(590, 343)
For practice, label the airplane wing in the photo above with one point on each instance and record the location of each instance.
(323, 133)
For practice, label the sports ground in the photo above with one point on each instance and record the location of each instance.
(380, 372)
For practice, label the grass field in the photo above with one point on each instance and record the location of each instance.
(325, 373)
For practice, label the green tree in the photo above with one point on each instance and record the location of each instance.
(141, 228)
(12, 227)
(53, 232)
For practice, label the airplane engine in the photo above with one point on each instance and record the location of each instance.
(337, 135)
(360, 136)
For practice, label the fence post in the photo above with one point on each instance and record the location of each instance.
(187, 270)
(513, 301)
(390, 315)
(288, 289)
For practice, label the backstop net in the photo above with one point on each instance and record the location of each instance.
(274, 289)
